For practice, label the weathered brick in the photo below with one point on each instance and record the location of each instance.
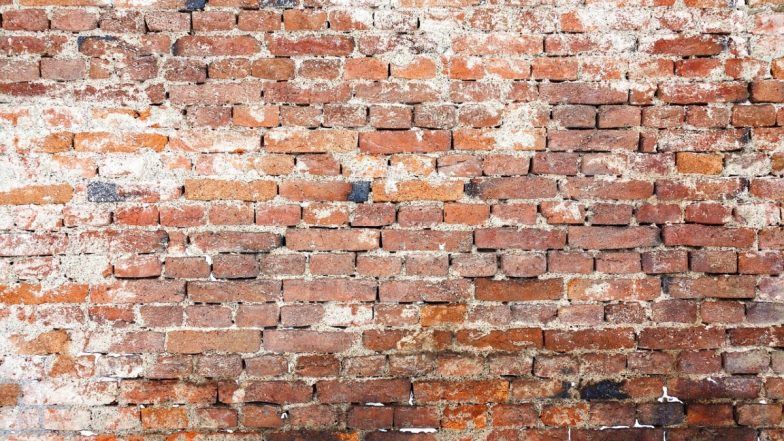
(613, 237)
(527, 239)
(37, 194)
(278, 392)
(416, 190)
(508, 340)
(465, 391)
(614, 289)
(235, 291)
(306, 341)
(234, 242)
(190, 342)
(408, 240)
(419, 141)
(699, 235)
(203, 46)
(118, 142)
(518, 289)
(329, 289)
(311, 141)
(330, 45)
(566, 341)
(513, 188)
(444, 291)
(696, 338)
(377, 390)
(325, 240)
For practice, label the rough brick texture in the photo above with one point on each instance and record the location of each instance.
(391, 220)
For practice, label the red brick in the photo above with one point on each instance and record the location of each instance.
(321, 240)
(513, 188)
(688, 46)
(720, 286)
(690, 338)
(37, 194)
(527, 239)
(161, 419)
(696, 94)
(234, 242)
(510, 340)
(464, 391)
(613, 237)
(593, 140)
(698, 235)
(330, 45)
(408, 240)
(329, 289)
(377, 390)
(614, 289)
(767, 91)
(202, 46)
(190, 342)
(518, 290)
(235, 291)
(420, 141)
(368, 417)
(567, 341)
(411, 291)
(302, 190)
(63, 70)
(582, 93)
(278, 392)
(506, 44)
(306, 341)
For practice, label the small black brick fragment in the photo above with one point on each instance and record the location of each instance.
(360, 191)
(195, 5)
(665, 281)
(746, 137)
(603, 390)
(103, 192)
(278, 3)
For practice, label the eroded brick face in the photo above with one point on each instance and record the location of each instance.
(391, 220)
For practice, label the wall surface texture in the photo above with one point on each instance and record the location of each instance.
(391, 220)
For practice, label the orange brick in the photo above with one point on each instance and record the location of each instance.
(416, 190)
(700, 163)
(213, 189)
(107, 142)
(37, 194)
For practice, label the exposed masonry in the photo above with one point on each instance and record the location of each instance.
(497, 220)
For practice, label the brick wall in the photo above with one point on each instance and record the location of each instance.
(391, 220)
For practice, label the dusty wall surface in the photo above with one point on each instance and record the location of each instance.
(391, 220)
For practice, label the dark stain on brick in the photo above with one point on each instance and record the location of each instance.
(471, 189)
(360, 191)
(80, 40)
(660, 414)
(603, 390)
(103, 192)
(565, 388)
